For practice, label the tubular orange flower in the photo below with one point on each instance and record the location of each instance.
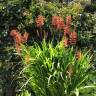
(60, 25)
(66, 42)
(73, 37)
(18, 38)
(13, 32)
(17, 47)
(54, 20)
(25, 37)
(58, 22)
(40, 21)
(68, 20)
(78, 55)
(66, 30)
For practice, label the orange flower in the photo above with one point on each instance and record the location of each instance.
(54, 20)
(16, 35)
(58, 22)
(17, 47)
(66, 42)
(68, 20)
(73, 37)
(66, 30)
(40, 21)
(18, 38)
(25, 37)
(78, 55)
(13, 32)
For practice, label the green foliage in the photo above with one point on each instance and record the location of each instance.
(50, 9)
(86, 23)
(11, 14)
(10, 66)
(25, 93)
(54, 70)
(91, 8)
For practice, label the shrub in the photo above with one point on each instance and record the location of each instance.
(85, 25)
(10, 67)
(90, 8)
(55, 70)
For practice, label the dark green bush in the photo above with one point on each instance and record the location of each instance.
(90, 8)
